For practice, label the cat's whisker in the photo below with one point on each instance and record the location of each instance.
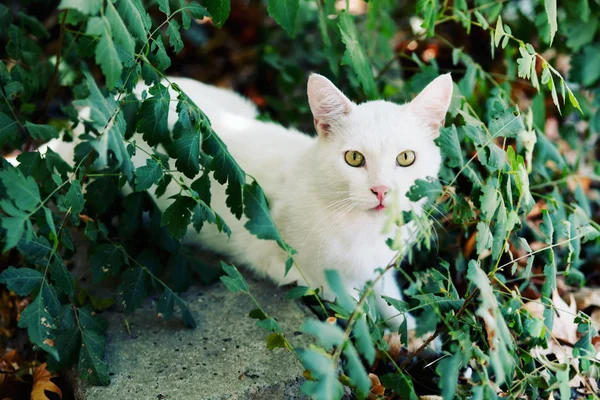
(333, 224)
(338, 206)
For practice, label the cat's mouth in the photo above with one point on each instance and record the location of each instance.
(378, 208)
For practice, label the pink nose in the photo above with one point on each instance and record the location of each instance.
(380, 191)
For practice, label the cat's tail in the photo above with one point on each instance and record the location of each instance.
(215, 102)
(226, 109)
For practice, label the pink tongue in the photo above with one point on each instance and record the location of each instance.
(379, 207)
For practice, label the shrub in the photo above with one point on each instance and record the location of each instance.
(505, 187)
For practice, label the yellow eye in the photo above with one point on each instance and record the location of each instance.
(406, 158)
(354, 159)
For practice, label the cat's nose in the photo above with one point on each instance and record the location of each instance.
(380, 191)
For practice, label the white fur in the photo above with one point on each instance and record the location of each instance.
(322, 206)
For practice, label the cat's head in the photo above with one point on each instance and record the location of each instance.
(366, 150)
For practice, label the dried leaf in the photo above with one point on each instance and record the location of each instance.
(377, 388)
(42, 382)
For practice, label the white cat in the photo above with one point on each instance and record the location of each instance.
(327, 194)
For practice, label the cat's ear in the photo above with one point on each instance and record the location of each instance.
(327, 103)
(433, 102)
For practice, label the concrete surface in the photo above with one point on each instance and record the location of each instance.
(225, 357)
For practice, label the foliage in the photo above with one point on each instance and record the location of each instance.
(504, 186)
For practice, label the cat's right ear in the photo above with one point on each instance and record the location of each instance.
(327, 104)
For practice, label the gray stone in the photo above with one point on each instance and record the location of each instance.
(225, 357)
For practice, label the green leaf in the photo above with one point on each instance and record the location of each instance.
(399, 305)
(356, 370)
(106, 260)
(174, 35)
(257, 313)
(499, 32)
(448, 140)
(148, 175)
(484, 238)
(186, 150)
(526, 64)
(269, 324)
(132, 289)
(177, 216)
(234, 281)
(8, 128)
(448, 369)
(225, 168)
(364, 343)
(137, 19)
(40, 323)
(284, 12)
(430, 188)
(91, 367)
(506, 122)
(34, 25)
(202, 213)
(585, 66)
(41, 132)
(106, 53)
(22, 281)
(119, 30)
(87, 7)
(192, 10)
(219, 10)
(550, 6)
(36, 249)
(152, 116)
(573, 100)
(22, 190)
(62, 277)
(328, 335)
(276, 340)
(546, 227)
(74, 198)
(67, 343)
(14, 228)
(355, 55)
(102, 109)
(490, 200)
(501, 359)
(202, 187)
(298, 292)
(337, 286)
(256, 209)
(163, 5)
(91, 322)
(326, 385)
(400, 384)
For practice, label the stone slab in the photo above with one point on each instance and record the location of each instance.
(223, 358)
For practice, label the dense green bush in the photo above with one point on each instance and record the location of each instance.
(504, 184)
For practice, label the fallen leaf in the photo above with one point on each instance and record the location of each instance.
(377, 388)
(586, 297)
(564, 327)
(42, 382)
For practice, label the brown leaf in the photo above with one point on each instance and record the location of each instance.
(377, 388)
(85, 218)
(42, 382)
(587, 296)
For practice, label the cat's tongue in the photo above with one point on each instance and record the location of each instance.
(379, 207)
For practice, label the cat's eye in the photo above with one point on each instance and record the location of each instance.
(406, 158)
(354, 159)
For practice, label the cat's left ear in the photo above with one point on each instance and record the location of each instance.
(433, 102)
